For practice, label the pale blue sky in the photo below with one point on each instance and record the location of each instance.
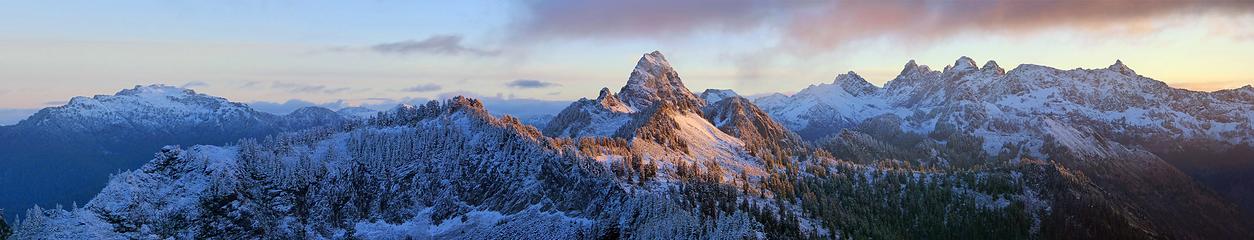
(337, 51)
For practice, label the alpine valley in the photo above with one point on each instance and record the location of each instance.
(963, 153)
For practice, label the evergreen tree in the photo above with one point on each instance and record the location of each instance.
(5, 230)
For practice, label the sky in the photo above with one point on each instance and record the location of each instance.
(531, 57)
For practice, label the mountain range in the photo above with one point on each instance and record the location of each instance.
(977, 115)
(65, 154)
(967, 152)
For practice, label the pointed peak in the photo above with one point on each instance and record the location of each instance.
(1119, 67)
(608, 101)
(992, 66)
(656, 53)
(850, 75)
(964, 60)
(605, 92)
(460, 101)
(712, 96)
(854, 84)
(913, 68)
(652, 81)
(963, 63)
(652, 61)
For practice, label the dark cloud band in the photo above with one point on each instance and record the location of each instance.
(829, 24)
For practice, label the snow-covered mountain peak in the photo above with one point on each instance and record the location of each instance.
(652, 83)
(912, 67)
(464, 103)
(143, 104)
(653, 80)
(608, 101)
(714, 95)
(1123, 69)
(992, 66)
(156, 90)
(913, 71)
(854, 84)
(1030, 69)
(653, 62)
(963, 64)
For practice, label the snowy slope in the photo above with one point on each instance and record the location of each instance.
(445, 170)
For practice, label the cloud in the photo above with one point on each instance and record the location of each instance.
(307, 88)
(530, 83)
(249, 84)
(194, 84)
(838, 23)
(643, 18)
(429, 87)
(830, 24)
(438, 44)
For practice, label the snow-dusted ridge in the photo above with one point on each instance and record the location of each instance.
(1121, 101)
(74, 147)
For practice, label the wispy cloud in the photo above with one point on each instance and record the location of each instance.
(438, 44)
(250, 84)
(308, 88)
(194, 84)
(530, 83)
(429, 87)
